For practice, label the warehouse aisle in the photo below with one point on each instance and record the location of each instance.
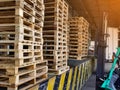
(90, 85)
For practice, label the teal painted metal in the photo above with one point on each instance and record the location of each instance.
(106, 83)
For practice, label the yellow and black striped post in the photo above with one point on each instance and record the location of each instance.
(73, 79)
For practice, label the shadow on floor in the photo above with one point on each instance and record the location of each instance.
(90, 84)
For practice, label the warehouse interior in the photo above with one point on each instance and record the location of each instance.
(59, 45)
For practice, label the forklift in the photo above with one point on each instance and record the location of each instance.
(111, 81)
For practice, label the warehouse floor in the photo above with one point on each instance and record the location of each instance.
(90, 85)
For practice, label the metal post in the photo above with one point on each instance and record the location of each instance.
(101, 47)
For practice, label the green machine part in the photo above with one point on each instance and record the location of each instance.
(106, 83)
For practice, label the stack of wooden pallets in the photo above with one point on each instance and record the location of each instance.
(78, 40)
(21, 44)
(55, 35)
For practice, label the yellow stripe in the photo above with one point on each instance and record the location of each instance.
(87, 71)
(74, 78)
(51, 83)
(62, 80)
(83, 74)
(78, 80)
(81, 79)
(69, 79)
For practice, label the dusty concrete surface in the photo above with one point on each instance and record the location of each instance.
(90, 84)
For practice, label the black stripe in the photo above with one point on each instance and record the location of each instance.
(80, 75)
(43, 85)
(66, 80)
(57, 82)
(76, 78)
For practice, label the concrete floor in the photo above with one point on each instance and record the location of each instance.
(90, 85)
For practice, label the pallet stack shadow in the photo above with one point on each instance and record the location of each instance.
(78, 38)
(21, 44)
(55, 36)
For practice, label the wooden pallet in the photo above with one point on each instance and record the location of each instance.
(24, 35)
(23, 86)
(8, 61)
(37, 28)
(51, 34)
(38, 38)
(52, 52)
(24, 8)
(50, 8)
(26, 31)
(41, 71)
(53, 7)
(52, 47)
(39, 56)
(20, 53)
(27, 85)
(39, 16)
(55, 66)
(52, 57)
(39, 8)
(14, 70)
(52, 37)
(54, 4)
(80, 57)
(39, 2)
(52, 28)
(10, 50)
(17, 80)
(59, 25)
(17, 7)
(59, 71)
(15, 20)
(26, 78)
(54, 61)
(21, 44)
(55, 35)
(78, 40)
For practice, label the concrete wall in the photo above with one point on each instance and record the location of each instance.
(112, 42)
